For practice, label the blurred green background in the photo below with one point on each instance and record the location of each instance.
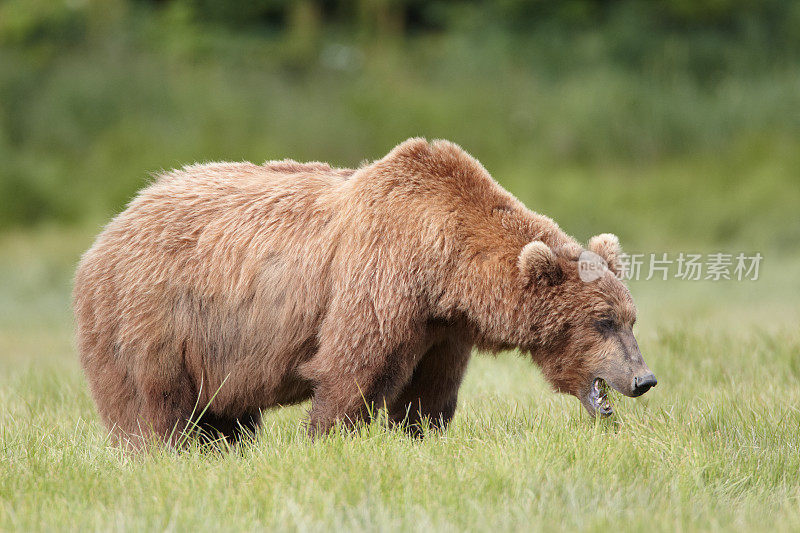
(674, 124)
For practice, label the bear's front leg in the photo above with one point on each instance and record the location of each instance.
(432, 392)
(369, 343)
(354, 383)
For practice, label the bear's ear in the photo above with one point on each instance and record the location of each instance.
(538, 264)
(606, 245)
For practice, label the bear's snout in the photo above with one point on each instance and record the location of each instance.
(642, 384)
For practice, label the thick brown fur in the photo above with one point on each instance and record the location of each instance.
(268, 285)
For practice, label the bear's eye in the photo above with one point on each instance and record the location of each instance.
(606, 325)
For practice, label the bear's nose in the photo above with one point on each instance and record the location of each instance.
(642, 384)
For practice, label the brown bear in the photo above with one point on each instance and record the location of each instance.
(229, 288)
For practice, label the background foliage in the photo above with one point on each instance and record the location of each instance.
(690, 102)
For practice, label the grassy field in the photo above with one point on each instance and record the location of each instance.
(713, 447)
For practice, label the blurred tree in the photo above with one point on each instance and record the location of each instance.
(239, 15)
(37, 22)
(381, 18)
(94, 92)
(779, 18)
(303, 39)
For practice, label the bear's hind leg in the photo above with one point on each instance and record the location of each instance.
(166, 415)
(169, 401)
(118, 402)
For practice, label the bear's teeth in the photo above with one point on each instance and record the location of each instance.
(600, 397)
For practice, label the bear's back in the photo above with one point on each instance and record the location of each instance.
(231, 233)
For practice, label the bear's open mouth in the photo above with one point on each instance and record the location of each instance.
(598, 398)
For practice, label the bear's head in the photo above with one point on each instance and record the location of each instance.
(578, 319)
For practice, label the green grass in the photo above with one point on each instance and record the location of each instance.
(713, 447)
